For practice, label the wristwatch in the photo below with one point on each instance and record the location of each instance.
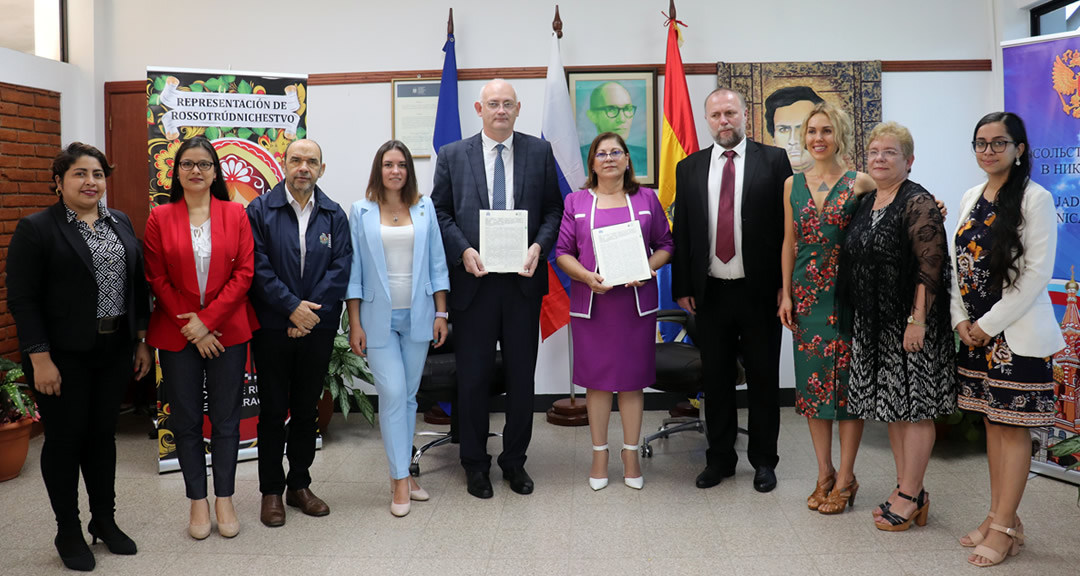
(911, 320)
(442, 315)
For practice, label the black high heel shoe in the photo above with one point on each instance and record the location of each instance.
(112, 536)
(73, 551)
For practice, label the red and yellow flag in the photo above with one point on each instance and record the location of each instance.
(678, 137)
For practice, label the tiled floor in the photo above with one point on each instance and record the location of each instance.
(670, 527)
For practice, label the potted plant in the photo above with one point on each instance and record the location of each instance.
(337, 388)
(17, 413)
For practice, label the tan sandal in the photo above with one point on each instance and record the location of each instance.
(975, 537)
(994, 556)
(821, 492)
(839, 499)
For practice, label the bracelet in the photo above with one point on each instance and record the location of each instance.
(911, 320)
(442, 315)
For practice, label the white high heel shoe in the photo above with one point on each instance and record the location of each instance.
(638, 482)
(598, 483)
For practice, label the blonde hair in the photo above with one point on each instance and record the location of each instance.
(902, 135)
(843, 129)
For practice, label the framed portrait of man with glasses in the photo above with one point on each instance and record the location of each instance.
(622, 102)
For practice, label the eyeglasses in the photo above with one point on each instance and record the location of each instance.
(614, 155)
(613, 111)
(887, 154)
(204, 166)
(506, 104)
(998, 146)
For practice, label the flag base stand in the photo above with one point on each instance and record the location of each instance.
(568, 412)
(436, 415)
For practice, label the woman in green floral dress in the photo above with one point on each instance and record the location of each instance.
(818, 206)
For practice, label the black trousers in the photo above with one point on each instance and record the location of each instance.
(501, 313)
(290, 373)
(80, 425)
(735, 321)
(184, 374)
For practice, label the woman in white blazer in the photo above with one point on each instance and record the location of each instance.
(396, 301)
(1003, 259)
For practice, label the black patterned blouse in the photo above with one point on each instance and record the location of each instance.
(110, 261)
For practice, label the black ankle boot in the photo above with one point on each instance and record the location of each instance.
(114, 538)
(73, 550)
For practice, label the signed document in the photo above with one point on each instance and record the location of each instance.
(504, 240)
(620, 254)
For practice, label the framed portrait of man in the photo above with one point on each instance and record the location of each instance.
(622, 102)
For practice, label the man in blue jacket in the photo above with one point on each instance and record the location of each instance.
(302, 260)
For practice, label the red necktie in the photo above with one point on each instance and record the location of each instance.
(725, 214)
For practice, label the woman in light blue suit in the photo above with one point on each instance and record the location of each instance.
(396, 301)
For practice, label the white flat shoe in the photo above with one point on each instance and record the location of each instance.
(598, 483)
(638, 482)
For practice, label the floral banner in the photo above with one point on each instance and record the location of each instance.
(250, 119)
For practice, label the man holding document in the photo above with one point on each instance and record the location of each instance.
(614, 237)
(498, 201)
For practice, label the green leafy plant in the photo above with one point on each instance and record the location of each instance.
(965, 424)
(15, 403)
(344, 366)
(1068, 447)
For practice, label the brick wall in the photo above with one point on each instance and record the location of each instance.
(29, 139)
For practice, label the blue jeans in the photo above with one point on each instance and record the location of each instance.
(183, 373)
(397, 368)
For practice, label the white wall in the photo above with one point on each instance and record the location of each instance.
(118, 39)
(36, 72)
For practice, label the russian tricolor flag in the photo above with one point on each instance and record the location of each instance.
(559, 130)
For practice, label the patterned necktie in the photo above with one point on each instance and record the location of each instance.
(498, 188)
(725, 214)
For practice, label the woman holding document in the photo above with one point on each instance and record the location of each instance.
(604, 364)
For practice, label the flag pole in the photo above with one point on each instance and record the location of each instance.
(567, 411)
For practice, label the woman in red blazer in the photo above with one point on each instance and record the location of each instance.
(199, 263)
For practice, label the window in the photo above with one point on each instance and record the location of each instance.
(1054, 17)
(35, 27)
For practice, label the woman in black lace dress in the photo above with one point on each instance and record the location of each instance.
(903, 370)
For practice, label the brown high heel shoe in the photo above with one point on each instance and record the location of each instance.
(839, 499)
(821, 492)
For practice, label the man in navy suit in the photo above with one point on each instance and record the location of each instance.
(497, 169)
(728, 231)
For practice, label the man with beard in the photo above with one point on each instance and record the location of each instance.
(728, 232)
(302, 260)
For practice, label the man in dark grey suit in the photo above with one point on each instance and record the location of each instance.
(728, 230)
(497, 169)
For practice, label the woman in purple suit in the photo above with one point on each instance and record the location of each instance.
(613, 327)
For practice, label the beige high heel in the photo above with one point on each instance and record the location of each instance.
(227, 529)
(200, 531)
(994, 556)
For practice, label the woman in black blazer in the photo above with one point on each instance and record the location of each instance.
(77, 291)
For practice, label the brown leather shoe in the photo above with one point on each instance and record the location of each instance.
(307, 502)
(273, 510)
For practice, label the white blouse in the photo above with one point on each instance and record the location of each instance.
(398, 249)
(200, 245)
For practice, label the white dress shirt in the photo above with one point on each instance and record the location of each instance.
(489, 167)
(732, 269)
(303, 215)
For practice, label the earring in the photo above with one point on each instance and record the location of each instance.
(1017, 160)
(627, 167)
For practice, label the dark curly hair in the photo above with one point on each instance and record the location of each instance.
(62, 162)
